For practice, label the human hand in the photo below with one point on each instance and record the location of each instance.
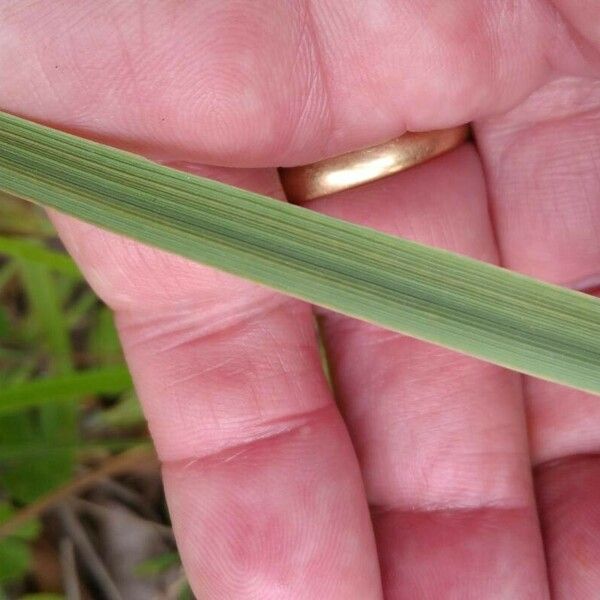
(423, 483)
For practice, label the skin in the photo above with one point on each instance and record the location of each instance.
(431, 475)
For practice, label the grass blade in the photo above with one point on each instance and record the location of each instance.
(59, 421)
(431, 294)
(32, 251)
(45, 391)
(55, 422)
(15, 452)
(47, 313)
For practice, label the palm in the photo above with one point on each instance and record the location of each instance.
(268, 496)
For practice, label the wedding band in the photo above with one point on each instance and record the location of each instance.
(352, 169)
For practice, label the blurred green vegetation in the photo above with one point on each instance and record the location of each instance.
(65, 392)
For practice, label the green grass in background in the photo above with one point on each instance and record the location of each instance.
(65, 391)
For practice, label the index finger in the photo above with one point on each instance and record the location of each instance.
(262, 482)
(268, 83)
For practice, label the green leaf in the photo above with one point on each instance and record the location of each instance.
(26, 474)
(14, 553)
(33, 251)
(158, 564)
(104, 344)
(125, 413)
(14, 453)
(186, 592)
(27, 477)
(56, 421)
(14, 560)
(44, 391)
(81, 307)
(27, 532)
(47, 312)
(428, 293)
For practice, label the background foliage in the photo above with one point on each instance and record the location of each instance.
(67, 411)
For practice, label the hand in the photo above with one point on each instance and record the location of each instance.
(423, 483)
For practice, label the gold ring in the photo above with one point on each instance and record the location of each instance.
(352, 169)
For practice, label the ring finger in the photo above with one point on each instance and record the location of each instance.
(441, 438)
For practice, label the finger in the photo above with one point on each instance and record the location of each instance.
(262, 482)
(441, 437)
(569, 500)
(543, 164)
(267, 83)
